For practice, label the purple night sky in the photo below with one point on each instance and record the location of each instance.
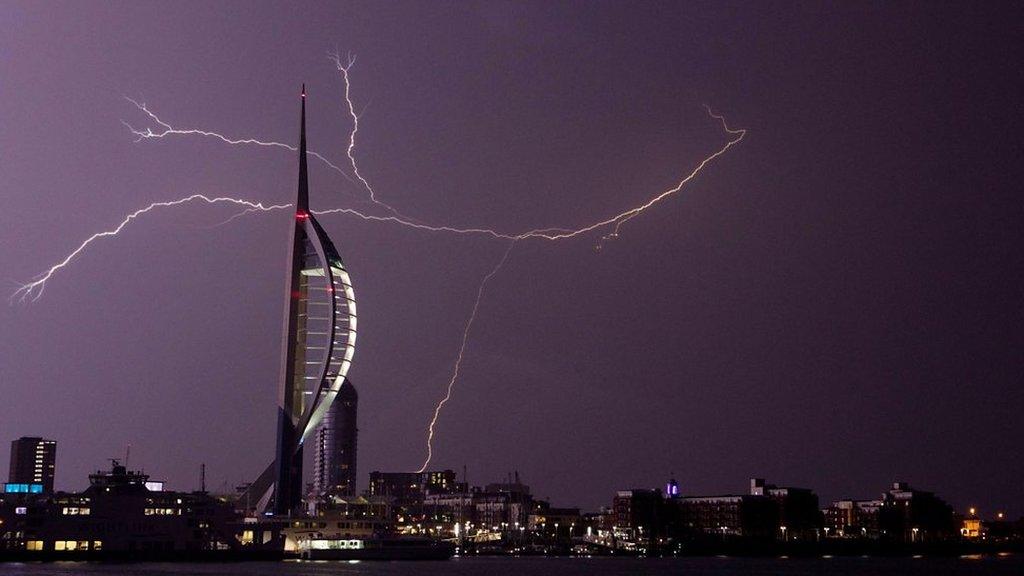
(835, 303)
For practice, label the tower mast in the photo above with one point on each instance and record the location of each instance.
(288, 460)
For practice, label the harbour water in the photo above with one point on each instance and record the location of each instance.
(539, 566)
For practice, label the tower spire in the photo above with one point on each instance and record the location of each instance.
(302, 202)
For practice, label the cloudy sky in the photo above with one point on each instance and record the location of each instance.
(834, 303)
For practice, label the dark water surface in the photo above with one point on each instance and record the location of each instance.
(555, 566)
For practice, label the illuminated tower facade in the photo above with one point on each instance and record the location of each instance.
(33, 464)
(334, 464)
(319, 341)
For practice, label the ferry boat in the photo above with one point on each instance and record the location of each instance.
(377, 548)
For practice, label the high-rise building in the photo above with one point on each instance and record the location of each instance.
(33, 464)
(316, 354)
(334, 465)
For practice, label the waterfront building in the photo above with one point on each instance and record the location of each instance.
(503, 506)
(902, 514)
(601, 521)
(545, 518)
(334, 462)
(911, 515)
(798, 515)
(767, 512)
(1002, 529)
(971, 526)
(446, 509)
(638, 513)
(410, 487)
(734, 515)
(852, 519)
(407, 494)
(433, 502)
(116, 514)
(33, 466)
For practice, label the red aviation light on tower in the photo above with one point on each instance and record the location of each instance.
(301, 215)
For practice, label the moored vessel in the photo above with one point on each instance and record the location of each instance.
(376, 548)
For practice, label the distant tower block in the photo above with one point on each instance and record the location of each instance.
(334, 472)
(33, 465)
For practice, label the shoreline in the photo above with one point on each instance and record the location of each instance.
(1012, 550)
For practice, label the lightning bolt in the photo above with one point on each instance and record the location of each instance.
(34, 290)
(462, 352)
(619, 219)
(166, 130)
(615, 222)
(344, 68)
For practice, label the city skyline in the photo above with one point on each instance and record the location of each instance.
(433, 515)
(831, 303)
(32, 472)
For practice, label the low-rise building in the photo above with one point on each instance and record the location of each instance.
(902, 514)
(797, 509)
(639, 514)
(743, 515)
(911, 515)
(852, 519)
